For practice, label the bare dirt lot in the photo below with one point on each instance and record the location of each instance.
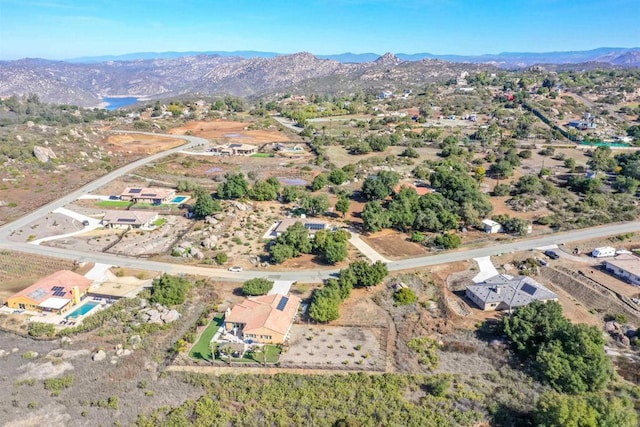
(335, 347)
(143, 144)
(227, 131)
(393, 244)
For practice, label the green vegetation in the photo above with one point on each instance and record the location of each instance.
(39, 329)
(425, 348)
(285, 399)
(202, 348)
(586, 410)
(405, 296)
(235, 186)
(570, 357)
(113, 204)
(325, 304)
(262, 155)
(56, 385)
(205, 204)
(257, 286)
(330, 246)
(221, 258)
(169, 290)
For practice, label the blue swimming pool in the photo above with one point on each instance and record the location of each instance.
(82, 310)
(179, 199)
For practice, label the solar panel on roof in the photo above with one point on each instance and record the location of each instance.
(148, 194)
(235, 145)
(126, 220)
(59, 293)
(135, 190)
(57, 288)
(282, 304)
(314, 226)
(530, 289)
(38, 293)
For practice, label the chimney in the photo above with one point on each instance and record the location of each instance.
(75, 294)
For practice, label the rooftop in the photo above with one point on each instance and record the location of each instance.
(57, 285)
(513, 291)
(312, 225)
(274, 312)
(627, 262)
(149, 192)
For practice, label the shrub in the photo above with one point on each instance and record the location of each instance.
(39, 329)
(169, 290)
(426, 348)
(257, 286)
(405, 296)
(221, 258)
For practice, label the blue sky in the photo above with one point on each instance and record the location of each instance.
(62, 29)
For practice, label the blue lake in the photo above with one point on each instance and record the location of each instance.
(115, 103)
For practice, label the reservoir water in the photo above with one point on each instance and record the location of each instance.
(115, 103)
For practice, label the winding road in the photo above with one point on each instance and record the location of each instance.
(304, 276)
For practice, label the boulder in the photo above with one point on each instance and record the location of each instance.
(170, 316)
(610, 326)
(43, 154)
(134, 341)
(99, 356)
(239, 234)
(154, 316)
(123, 352)
(3, 353)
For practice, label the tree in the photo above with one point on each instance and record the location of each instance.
(342, 205)
(205, 205)
(366, 274)
(315, 205)
(319, 182)
(325, 305)
(585, 410)
(291, 193)
(264, 190)
(335, 251)
(338, 176)
(169, 290)
(378, 187)
(280, 252)
(235, 186)
(375, 217)
(601, 160)
(257, 286)
(221, 258)
(447, 241)
(410, 152)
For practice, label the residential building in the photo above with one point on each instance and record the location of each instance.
(503, 292)
(55, 293)
(234, 149)
(491, 226)
(265, 319)
(313, 225)
(151, 195)
(129, 219)
(626, 267)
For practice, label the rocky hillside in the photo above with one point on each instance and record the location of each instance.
(86, 84)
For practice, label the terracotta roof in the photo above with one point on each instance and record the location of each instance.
(274, 312)
(63, 281)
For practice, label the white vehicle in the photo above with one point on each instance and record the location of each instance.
(603, 252)
(235, 269)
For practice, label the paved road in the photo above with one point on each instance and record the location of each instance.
(6, 229)
(307, 276)
(289, 124)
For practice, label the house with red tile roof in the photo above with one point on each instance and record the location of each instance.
(55, 293)
(266, 319)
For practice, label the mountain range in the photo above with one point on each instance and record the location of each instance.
(86, 81)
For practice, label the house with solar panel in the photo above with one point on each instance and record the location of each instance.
(152, 195)
(56, 293)
(266, 319)
(312, 225)
(504, 292)
(234, 149)
(129, 219)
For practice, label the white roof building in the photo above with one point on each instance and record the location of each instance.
(503, 292)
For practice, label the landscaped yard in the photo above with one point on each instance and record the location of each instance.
(251, 356)
(202, 349)
(113, 203)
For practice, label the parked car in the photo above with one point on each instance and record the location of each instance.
(114, 197)
(552, 254)
(235, 269)
(85, 222)
(542, 262)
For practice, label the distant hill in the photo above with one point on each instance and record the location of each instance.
(246, 73)
(612, 55)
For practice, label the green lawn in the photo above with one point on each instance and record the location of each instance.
(262, 155)
(113, 203)
(201, 349)
(160, 222)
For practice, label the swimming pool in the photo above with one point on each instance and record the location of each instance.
(179, 199)
(82, 310)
